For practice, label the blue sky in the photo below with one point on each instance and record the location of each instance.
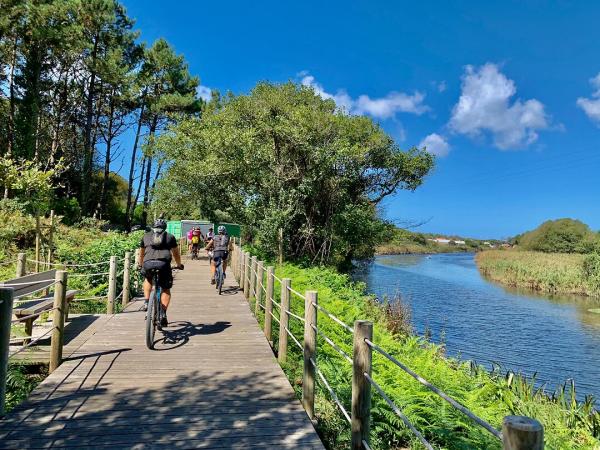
(505, 92)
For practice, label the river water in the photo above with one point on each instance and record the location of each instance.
(556, 337)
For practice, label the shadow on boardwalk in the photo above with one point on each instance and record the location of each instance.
(195, 411)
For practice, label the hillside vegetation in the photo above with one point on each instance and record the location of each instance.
(399, 241)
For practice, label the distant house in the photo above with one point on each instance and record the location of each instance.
(440, 240)
(460, 242)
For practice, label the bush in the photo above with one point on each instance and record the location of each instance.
(559, 236)
(591, 269)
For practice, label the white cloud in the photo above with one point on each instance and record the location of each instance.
(381, 108)
(441, 87)
(435, 144)
(591, 106)
(484, 106)
(204, 92)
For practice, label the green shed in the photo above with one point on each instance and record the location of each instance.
(174, 227)
(233, 229)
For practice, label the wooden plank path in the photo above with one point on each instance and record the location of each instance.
(214, 384)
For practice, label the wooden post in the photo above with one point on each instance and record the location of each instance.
(6, 304)
(126, 279)
(260, 268)
(58, 320)
(241, 267)
(21, 265)
(51, 239)
(361, 388)
(280, 259)
(310, 352)
(112, 286)
(253, 277)
(269, 303)
(38, 242)
(247, 274)
(284, 319)
(522, 433)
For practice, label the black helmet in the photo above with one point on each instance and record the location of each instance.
(159, 225)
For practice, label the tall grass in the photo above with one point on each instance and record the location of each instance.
(492, 396)
(545, 272)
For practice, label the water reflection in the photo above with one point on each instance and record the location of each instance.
(556, 336)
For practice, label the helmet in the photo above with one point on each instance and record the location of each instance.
(159, 225)
(222, 229)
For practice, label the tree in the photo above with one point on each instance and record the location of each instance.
(560, 236)
(283, 157)
(168, 90)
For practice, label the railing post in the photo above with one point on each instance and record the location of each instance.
(247, 274)
(126, 279)
(522, 433)
(112, 286)
(58, 320)
(284, 319)
(310, 353)
(259, 286)
(269, 303)
(6, 304)
(361, 388)
(253, 278)
(21, 265)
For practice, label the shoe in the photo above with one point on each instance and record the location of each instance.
(146, 305)
(213, 281)
(224, 275)
(164, 322)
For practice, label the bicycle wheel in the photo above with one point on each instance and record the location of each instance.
(151, 319)
(219, 277)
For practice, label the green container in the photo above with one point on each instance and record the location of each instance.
(174, 227)
(233, 229)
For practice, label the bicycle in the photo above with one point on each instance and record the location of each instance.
(219, 274)
(194, 251)
(155, 312)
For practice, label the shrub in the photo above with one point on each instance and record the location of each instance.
(559, 236)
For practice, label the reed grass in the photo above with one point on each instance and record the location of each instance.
(544, 272)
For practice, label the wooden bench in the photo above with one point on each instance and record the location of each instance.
(32, 309)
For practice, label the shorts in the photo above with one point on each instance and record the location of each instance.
(220, 255)
(165, 274)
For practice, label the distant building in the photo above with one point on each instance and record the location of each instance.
(445, 241)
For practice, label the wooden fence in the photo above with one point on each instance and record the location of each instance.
(12, 295)
(258, 283)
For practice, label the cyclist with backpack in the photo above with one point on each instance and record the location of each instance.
(157, 249)
(220, 246)
(195, 240)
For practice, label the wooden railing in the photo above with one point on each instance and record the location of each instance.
(518, 432)
(58, 308)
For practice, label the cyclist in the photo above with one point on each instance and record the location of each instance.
(157, 248)
(220, 246)
(210, 234)
(195, 239)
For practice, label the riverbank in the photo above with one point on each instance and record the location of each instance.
(489, 395)
(555, 273)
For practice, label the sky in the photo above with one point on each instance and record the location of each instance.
(505, 93)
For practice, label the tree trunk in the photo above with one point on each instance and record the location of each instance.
(139, 189)
(11, 111)
(101, 206)
(128, 208)
(87, 135)
(149, 171)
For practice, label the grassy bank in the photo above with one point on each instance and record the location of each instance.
(489, 395)
(544, 272)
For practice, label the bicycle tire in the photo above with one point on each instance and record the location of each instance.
(151, 319)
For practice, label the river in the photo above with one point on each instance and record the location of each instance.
(556, 337)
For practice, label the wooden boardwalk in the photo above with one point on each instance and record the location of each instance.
(214, 384)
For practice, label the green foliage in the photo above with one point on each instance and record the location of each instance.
(559, 236)
(19, 383)
(568, 424)
(591, 269)
(402, 241)
(283, 157)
